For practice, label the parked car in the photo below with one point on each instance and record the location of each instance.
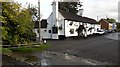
(109, 31)
(100, 32)
(106, 31)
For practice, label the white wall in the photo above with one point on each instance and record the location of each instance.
(55, 13)
(54, 18)
(61, 22)
(74, 26)
(52, 21)
(87, 26)
(96, 26)
(46, 34)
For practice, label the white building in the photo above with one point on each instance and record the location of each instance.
(61, 24)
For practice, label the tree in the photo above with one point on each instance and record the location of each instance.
(69, 6)
(111, 20)
(9, 22)
(33, 11)
(118, 26)
(17, 24)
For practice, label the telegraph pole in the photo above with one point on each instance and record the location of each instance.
(39, 21)
(97, 18)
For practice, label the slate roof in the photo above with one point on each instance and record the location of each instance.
(74, 17)
(68, 16)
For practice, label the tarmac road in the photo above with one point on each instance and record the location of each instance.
(94, 50)
(102, 48)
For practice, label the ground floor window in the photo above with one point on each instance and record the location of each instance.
(54, 30)
(71, 31)
(49, 31)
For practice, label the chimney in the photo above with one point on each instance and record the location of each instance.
(55, 12)
(80, 12)
(80, 9)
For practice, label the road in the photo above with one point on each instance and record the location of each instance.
(102, 48)
(94, 50)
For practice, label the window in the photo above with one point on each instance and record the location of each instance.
(71, 31)
(44, 23)
(71, 23)
(54, 30)
(49, 31)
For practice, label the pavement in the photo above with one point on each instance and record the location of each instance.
(102, 48)
(8, 61)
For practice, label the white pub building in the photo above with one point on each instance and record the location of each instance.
(61, 24)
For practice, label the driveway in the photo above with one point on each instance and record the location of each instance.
(99, 48)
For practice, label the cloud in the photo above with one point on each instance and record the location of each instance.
(101, 8)
(46, 8)
(92, 8)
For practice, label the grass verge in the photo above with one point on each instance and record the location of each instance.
(30, 49)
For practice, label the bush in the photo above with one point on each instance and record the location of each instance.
(118, 27)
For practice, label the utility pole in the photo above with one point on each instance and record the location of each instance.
(97, 18)
(39, 21)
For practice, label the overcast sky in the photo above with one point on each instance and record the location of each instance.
(92, 8)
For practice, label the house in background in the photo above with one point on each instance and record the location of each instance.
(107, 25)
(104, 24)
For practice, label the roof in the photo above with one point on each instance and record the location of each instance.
(90, 20)
(70, 16)
(74, 17)
(104, 20)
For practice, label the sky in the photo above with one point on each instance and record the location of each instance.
(92, 8)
